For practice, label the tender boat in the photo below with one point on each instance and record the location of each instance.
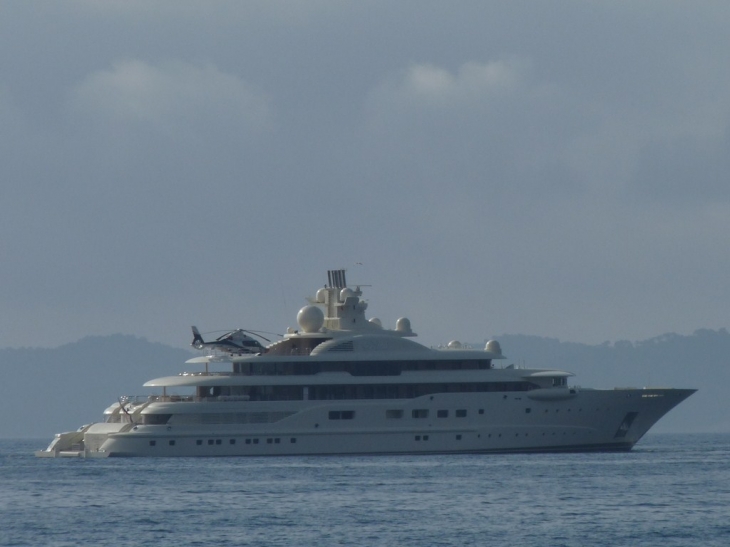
(342, 384)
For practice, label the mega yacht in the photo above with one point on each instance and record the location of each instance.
(343, 384)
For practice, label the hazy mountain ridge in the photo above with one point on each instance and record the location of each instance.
(59, 389)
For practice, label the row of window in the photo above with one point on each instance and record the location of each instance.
(354, 392)
(270, 417)
(212, 418)
(263, 417)
(623, 429)
(218, 442)
(398, 413)
(357, 368)
(423, 413)
(418, 413)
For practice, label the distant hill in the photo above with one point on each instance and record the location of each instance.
(44, 391)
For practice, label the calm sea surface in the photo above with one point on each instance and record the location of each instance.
(670, 490)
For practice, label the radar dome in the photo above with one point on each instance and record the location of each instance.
(310, 318)
(321, 296)
(493, 347)
(376, 321)
(403, 325)
(454, 344)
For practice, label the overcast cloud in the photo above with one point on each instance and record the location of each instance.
(559, 169)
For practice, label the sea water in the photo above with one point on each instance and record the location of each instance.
(670, 490)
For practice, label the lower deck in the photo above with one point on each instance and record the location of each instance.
(588, 420)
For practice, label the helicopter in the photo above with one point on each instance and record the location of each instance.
(234, 342)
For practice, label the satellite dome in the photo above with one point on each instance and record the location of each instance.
(403, 325)
(454, 344)
(376, 321)
(321, 295)
(310, 318)
(493, 347)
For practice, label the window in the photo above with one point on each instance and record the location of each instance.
(171, 443)
(458, 437)
(393, 414)
(341, 414)
(153, 443)
(481, 411)
(248, 441)
(528, 410)
(442, 414)
(418, 437)
(277, 441)
(255, 441)
(292, 440)
(419, 413)
(392, 391)
(155, 419)
(199, 442)
(425, 437)
(269, 441)
(461, 413)
(218, 441)
(210, 441)
(232, 441)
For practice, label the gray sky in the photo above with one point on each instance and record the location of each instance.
(552, 168)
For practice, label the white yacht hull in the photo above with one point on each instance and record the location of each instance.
(539, 421)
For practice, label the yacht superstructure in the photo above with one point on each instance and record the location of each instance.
(342, 384)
